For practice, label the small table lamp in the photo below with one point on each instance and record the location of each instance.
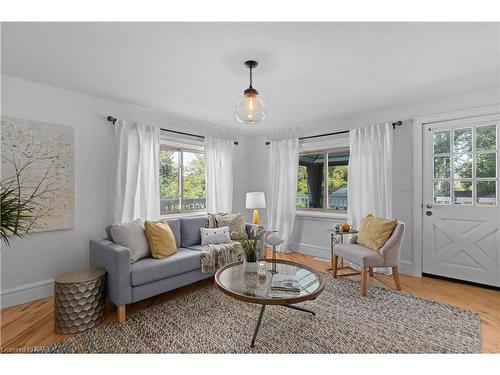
(255, 200)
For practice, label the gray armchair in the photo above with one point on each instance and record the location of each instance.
(367, 259)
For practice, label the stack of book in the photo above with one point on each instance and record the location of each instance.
(285, 284)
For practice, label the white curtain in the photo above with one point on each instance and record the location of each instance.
(282, 188)
(136, 172)
(219, 174)
(370, 174)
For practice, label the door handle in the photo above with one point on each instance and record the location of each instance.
(428, 213)
(428, 205)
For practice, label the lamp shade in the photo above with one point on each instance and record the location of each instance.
(256, 200)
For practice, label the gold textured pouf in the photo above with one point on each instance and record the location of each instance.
(79, 300)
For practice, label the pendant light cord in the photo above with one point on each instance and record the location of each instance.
(251, 80)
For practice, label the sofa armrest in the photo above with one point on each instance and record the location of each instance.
(251, 229)
(116, 260)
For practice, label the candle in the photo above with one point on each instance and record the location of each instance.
(262, 269)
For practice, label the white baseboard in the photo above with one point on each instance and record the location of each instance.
(26, 293)
(315, 251)
(405, 267)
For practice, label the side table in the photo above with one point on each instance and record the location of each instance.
(337, 238)
(79, 300)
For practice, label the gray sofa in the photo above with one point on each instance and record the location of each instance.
(128, 283)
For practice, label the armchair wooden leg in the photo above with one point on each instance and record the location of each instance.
(364, 272)
(371, 271)
(395, 274)
(335, 265)
(120, 313)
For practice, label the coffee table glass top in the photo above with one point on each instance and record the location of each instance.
(250, 287)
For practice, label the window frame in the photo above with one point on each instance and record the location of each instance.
(325, 208)
(180, 172)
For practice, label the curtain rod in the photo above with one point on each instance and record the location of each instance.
(113, 120)
(394, 124)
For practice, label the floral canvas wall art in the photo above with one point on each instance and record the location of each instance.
(37, 177)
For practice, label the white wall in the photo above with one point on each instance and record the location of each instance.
(30, 264)
(310, 233)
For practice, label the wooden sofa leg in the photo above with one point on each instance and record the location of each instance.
(370, 271)
(364, 274)
(120, 313)
(395, 274)
(335, 265)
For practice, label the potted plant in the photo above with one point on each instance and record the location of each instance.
(249, 245)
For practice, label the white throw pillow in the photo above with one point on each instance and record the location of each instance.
(214, 235)
(132, 236)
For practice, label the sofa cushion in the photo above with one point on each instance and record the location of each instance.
(148, 270)
(175, 225)
(235, 222)
(196, 247)
(190, 230)
(360, 255)
(214, 235)
(131, 235)
(161, 239)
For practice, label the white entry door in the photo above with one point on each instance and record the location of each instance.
(460, 200)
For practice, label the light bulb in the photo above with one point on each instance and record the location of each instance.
(250, 108)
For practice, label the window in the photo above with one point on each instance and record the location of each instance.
(322, 180)
(465, 166)
(182, 180)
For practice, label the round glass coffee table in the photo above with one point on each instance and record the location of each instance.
(293, 283)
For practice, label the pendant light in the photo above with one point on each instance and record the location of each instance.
(250, 109)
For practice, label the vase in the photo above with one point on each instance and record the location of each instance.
(250, 267)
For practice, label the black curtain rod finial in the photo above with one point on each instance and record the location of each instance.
(111, 119)
(397, 123)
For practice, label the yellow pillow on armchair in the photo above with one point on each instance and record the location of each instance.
(374, 231)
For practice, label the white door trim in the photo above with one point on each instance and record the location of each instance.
(419, 122)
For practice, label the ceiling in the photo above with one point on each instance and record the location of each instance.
(308, 73)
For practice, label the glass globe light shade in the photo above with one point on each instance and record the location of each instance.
(250, 109)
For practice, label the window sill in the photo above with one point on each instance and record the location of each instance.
(321, 215)
(183, 214)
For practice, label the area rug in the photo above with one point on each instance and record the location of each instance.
(207, 321)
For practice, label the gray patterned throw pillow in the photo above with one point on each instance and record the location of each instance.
(214, 236)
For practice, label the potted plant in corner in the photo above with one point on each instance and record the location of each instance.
(249, 245)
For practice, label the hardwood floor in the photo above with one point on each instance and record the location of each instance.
(31, 324)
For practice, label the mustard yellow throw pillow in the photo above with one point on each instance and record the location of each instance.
(374, 231)
(161, 239)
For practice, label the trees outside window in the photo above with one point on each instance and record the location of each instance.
(182, 181)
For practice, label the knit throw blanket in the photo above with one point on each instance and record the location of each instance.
(214, 257)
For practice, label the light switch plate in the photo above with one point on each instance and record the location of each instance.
(404, 188)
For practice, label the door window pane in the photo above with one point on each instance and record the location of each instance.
(462, 193)
(441, 167)
(310, 184)
(486, 193)
(486, 139)
(462, 166)
(169, 181)
(442, 192)
(486, 165)
(441, 142)
(193, 197)
(462, 141)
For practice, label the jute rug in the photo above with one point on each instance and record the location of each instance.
(208, 321)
